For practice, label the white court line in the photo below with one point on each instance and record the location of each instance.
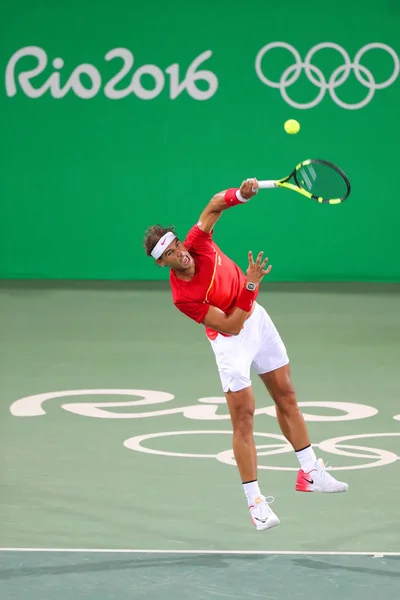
(247, 552)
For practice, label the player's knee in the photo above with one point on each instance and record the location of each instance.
(285, 397)
(243, 423)
(242, 414)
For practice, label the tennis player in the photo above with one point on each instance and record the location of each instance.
(211, 289)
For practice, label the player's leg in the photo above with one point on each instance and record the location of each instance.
(272, 364)
(241, 408)
(312, 476)
(289, 415)
(234, 370)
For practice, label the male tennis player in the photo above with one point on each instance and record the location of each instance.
(211, 289)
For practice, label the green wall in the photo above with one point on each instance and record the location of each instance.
(84, 173)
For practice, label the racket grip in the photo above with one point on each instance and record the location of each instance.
(267, 184)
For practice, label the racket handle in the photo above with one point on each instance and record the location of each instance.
(267, 184)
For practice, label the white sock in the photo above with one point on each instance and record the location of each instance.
(307, 458)
(251, 490)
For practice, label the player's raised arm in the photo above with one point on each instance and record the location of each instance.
(224, 200)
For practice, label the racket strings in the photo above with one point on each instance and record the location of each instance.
(322, 180)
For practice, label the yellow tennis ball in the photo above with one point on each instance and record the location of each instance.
(292, 126)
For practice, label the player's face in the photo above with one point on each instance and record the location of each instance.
(177, 257)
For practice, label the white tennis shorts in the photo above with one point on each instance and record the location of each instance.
(258, 347)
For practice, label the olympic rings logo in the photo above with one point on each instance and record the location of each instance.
(371, 457)
(337, 78)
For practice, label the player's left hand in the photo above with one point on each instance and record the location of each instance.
(249, 188)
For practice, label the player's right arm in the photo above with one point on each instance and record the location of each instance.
(224, 200)
(232, 324)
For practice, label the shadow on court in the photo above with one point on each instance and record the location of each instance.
(198, 561)
(138, 562)
(322, 565)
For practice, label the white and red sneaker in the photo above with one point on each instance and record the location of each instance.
(261, 514)
(319, 480)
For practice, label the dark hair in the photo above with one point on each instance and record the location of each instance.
(153, 235)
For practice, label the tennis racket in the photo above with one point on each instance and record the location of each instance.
(316, 179)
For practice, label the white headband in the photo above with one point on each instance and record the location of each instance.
(162, 244)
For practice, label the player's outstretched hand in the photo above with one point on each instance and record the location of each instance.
(256, 270)
(249, 188)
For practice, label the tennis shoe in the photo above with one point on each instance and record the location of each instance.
(261, 514)
(319, 480)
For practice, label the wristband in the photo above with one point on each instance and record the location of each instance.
(246, 299)
(233, 197)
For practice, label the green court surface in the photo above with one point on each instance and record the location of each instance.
(117, 475)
